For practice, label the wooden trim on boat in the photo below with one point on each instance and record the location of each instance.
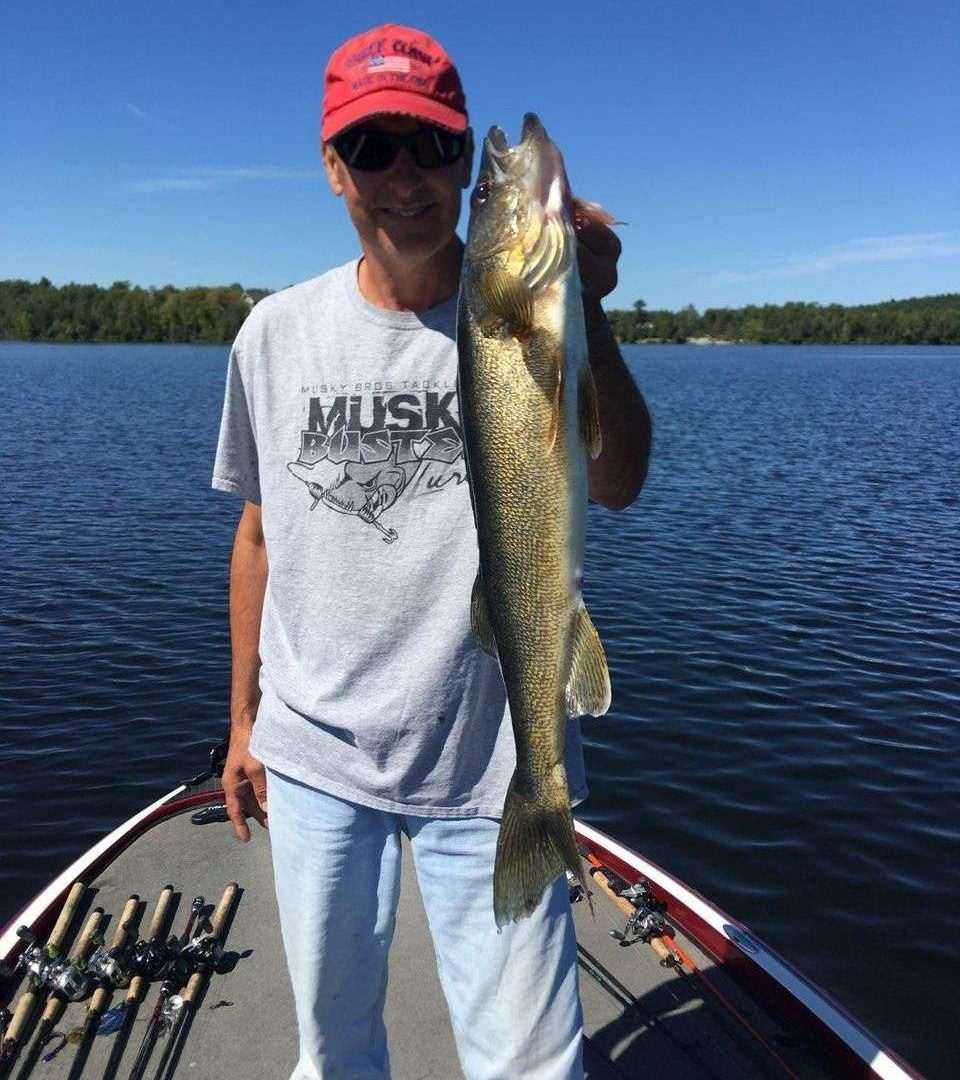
(769, 978)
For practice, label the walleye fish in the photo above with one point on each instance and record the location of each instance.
(529, 413)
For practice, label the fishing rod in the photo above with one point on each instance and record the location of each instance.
(629, 1003)
(178, 968)
(108, 967)
(209, 949)
(67, 981)
(645, 923)
(149, 956)
(35, 961)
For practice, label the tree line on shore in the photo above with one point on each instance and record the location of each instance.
(41, 311)
(925, 320)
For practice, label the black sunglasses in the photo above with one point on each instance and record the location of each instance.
(372, 150)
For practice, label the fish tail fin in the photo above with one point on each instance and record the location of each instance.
(536, 844)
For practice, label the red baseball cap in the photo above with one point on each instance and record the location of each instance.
(391, 69)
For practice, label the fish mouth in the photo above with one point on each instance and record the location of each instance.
(534, 157)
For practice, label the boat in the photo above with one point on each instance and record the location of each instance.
(672, 987)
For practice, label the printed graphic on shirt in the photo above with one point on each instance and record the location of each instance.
(369, 445)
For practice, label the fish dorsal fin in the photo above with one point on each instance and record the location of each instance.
(480, 619)
(589, 417)
(588, 688)
(508, 297)
(550, 255)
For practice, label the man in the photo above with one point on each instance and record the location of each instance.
(376, 713)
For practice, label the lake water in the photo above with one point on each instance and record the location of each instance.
(781, 611)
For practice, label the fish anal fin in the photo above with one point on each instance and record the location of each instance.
(589, 413)
(588, 688)
(480, 619)
(510, 298)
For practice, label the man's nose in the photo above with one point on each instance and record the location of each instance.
(404, 168)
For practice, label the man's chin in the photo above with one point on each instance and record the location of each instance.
(407, 242)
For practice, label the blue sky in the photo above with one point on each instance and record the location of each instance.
(759, 151)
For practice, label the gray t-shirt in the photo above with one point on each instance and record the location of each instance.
(341, 421)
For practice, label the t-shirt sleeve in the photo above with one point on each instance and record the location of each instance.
(236, 468)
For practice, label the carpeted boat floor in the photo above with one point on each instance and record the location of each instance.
(642, 1020)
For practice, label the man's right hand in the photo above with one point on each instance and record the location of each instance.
(245, 785)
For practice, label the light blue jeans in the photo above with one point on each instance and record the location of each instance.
(513, 996)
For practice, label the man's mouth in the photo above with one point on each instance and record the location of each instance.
(407, 211)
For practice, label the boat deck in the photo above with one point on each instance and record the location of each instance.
(642, 1019)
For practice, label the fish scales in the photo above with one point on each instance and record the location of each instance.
(525, 389)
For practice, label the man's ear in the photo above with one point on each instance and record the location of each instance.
(332, 166)
(467, 160)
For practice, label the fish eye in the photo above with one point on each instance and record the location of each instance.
(482, 191)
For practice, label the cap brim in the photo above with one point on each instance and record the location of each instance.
(400, 102)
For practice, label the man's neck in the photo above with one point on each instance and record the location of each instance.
(399, 286)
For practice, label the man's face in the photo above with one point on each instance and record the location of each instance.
(404, 211)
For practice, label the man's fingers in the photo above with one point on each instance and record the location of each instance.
(600, 238)
(258, 782)
(237, 814)
(598, 273)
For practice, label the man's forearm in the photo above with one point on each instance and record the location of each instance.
(616, 477)
(248, 582)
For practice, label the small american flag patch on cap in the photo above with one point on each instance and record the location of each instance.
(388, 63)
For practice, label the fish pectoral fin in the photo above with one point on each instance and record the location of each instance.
(589, 414)
(509, 297)
(588, 688)
(480, 619)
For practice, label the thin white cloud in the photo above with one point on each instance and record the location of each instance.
(216, 179)
(870, 249)
(135, 111)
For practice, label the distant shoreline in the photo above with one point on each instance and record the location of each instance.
(128, 314)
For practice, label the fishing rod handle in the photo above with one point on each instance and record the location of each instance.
(127, 916)
(223, 909)
(159, 919)
(82, 946)
(18, 1022)
(218, 922)
(157, 923)
(102, 993)
(23, 1010)
(65, 918)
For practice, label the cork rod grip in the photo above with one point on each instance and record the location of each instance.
(21, 1014)
(82, 945)
(59, 931)
(55, 1003)
(218, 923)
(102, 994)
(138, 982)
(23, 1010)
(159, 919)
(605, 887)
(223, 910)
(127, 916)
